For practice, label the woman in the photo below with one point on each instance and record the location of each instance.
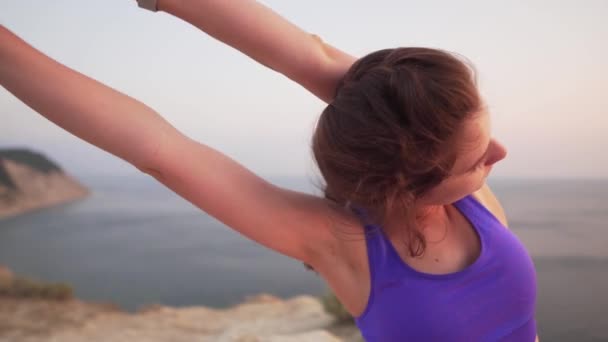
(404, 147)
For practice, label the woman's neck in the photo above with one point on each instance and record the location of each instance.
(433, 221)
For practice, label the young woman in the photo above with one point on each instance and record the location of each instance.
(408, 235)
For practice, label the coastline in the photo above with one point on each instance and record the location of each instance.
(30, 181)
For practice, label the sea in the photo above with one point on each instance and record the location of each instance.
(134, 243)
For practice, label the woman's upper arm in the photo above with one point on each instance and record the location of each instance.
(262, 34)
(289, 222)
(324, 71)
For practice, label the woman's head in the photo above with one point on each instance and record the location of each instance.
(401, 131)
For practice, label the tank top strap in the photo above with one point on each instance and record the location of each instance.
(409, 305)
(370, 229)
(385, 263)
(476, 211)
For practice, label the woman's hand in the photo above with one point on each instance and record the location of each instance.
(265, 36)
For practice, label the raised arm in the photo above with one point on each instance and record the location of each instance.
(88, 109)
(292, 223)
(265, 36)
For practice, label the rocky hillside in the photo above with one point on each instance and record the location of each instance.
(29, 311)
(29, 181)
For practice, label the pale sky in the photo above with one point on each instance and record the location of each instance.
(542, 69)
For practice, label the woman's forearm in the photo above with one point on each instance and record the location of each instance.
(88, 109)
(268, 38)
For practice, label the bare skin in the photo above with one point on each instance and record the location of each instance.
(266, 38)
(217, 184)
(274, 42)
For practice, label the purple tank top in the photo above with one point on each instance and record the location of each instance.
(492, 299)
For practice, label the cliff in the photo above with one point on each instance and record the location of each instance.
(30, 181)
(34, 313)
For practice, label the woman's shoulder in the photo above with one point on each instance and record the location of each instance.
(486, 197)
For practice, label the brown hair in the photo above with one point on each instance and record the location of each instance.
(385, 138)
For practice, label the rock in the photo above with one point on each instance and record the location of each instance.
(317, 335)
(29, 181)
(6, 277)
(262, 318)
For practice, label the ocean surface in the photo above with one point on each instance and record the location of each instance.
(133, 242)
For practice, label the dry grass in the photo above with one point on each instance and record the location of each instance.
(22, 287)
(333, 306)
